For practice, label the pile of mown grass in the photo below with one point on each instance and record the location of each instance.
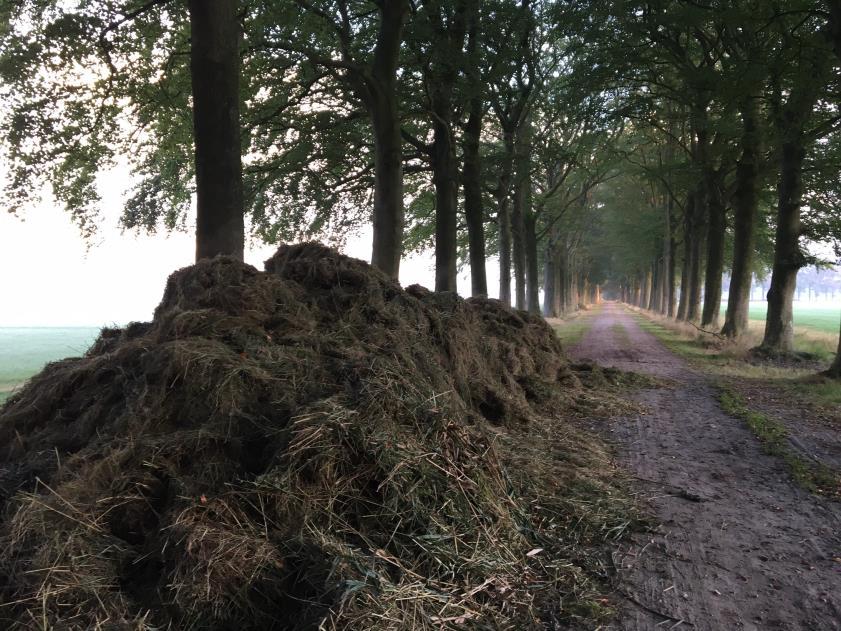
(306, 447)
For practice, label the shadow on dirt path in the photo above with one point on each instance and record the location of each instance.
(738, 545)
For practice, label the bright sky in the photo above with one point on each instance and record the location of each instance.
(51, 278)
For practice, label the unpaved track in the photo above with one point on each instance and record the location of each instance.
(738, 545)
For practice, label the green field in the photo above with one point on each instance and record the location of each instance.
(824, 319)
(25, 350)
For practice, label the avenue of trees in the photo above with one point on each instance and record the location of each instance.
(654, 145)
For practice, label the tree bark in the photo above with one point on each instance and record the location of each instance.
(790, 119)
(645, 298)
(444, 178)
(683, 303)
(441, 78)
(696, 263)
(504, 218)
(380, 96)
(665, 276)
(744, 237)
(560, 287)
(549, 286)
(788, 257)
(215, 72)
(522, 183)
(716, 226)
(472, 169)
(532, 280)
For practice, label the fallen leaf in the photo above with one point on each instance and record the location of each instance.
(534, 552)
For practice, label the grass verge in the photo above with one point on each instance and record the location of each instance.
(774, 438)
(570, 330)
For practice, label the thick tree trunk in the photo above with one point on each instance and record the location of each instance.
(788, 257)
(215, 70)
(668, 280)
(532, 279)
(653, 283)
(791, 118)
(683, 304)
(444, 178)
(504, 218)
(671, 280)
(693, 307)
(567, 272)
(716, 226)
(696, 262)
(636, 289)
(381, 100)
(744, 237)
(441, 78)
(388, 188)
(522, 183)
(472, 169)
(662, 289)
(560, 286)
(647, 288)
(683, 301)
(549, 286)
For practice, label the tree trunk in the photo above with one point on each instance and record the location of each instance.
(744, 237)
(645, 296)
(566, 279)
(522, 183)
(672, 280)
(532, 280)
(656, 287)
(696, 263)
(382, 103)
(683, 301)
(504, 219)
(472, 169)
(549, 285)
(560, 282)
(388, 189)
(440, 79)
(790, 119)
(446, 201)
(668, 276)
(215, 71)
(683, 304)
(662, 289)
(788, 258)
(716, 226)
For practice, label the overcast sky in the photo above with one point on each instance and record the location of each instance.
(51, 278)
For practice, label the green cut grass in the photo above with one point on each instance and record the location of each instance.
(824, 319)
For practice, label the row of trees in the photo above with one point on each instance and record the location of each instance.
(655, 144)
(741, 100)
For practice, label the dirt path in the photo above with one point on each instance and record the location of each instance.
(738, 545)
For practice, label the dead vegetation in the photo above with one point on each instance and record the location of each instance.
(307, 447)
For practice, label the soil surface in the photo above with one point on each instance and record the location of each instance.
(736, 544)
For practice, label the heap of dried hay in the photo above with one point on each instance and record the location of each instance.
(306, 447)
